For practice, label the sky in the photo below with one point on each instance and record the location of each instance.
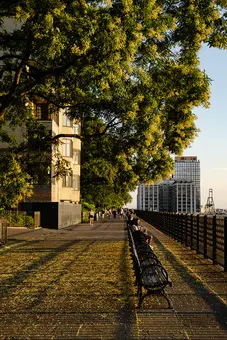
(210, 146)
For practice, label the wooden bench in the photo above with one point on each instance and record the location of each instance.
(150, 274)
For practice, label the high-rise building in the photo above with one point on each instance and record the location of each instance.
(181, 193)
(187, 169)
(148, 197)
(183, 196)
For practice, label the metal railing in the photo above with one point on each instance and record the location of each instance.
(203, 233)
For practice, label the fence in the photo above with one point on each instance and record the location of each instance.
(203, 233)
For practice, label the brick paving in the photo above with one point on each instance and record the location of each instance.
(78, 283)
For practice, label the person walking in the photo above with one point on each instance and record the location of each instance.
(91, 216)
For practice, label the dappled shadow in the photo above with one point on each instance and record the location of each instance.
(80, 282)
(19, 277)
(127, 325)
(219, 308)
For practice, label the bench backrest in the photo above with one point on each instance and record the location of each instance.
(153, 274)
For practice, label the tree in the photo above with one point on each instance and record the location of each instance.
(106, 178)
(14, 184)
(133, 65)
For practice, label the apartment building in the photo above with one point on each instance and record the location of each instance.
(66, 189)
(181, 193)
(148, 197)
(58, 199)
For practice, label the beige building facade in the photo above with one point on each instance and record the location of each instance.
(61, 195)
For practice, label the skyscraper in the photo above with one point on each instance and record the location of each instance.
(187, 169)
(181, 193)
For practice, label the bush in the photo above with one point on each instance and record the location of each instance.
(18, 219)
(29, 222)
(85, 216)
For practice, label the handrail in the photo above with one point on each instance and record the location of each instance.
(206, 234)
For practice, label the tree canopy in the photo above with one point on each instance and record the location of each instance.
(130, 65)
(15, 184)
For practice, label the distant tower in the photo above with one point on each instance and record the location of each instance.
(209, 207)
(187, 169)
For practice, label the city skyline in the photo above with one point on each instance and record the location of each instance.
(209, 146)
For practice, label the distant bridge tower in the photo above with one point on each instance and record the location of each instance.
(209, 207)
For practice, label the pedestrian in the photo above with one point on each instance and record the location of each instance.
(91, 216)
(114, 213)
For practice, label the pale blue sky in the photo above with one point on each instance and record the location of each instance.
(211, 145)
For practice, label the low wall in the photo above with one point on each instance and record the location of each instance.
(54, 215)
(68, 214)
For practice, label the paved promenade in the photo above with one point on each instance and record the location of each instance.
(78, 283)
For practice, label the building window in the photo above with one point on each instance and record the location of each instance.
(67, 181)
(76, 129)
(42, 111)
(38, 112)
(76, 156)
(67, 121)
(76, 182)
(67, 148)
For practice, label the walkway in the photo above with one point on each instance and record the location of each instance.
(77, 283)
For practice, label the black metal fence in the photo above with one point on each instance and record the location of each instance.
(203, 233)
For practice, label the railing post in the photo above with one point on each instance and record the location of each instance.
(171, 225)
(181, 229)
(186, 229)
(165, 227)
(197, 233)
(214, 238)
(191, 230)
(205, 236)
(161, 220)
(168, 223)
(177, 226)
(174, 226)
(225, 244)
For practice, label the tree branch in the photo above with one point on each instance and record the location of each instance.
(10, 56)
(65, 135)
(6, 100)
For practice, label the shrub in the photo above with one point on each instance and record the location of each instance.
(17, 219)
(29, 222)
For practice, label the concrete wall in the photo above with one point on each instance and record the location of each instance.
(68, 214)
(54, 215)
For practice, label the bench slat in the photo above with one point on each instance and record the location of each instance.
(149, 271)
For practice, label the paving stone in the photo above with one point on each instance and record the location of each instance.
(78, 283)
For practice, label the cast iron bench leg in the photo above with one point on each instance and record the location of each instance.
(167, 299)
